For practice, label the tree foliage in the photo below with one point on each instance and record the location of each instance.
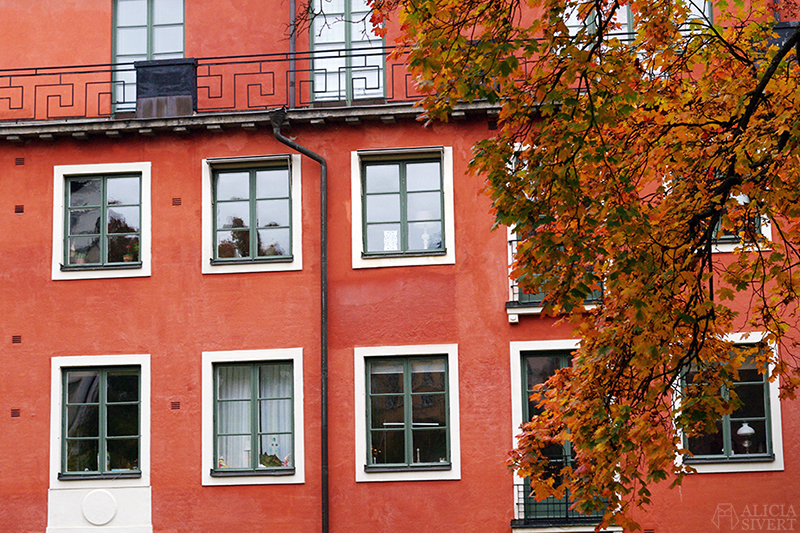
(632, 136)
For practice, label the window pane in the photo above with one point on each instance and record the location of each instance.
(275, 416)
(84, 250)
(82, 455)
(423, 176)
(429, 410)
(167, 39)
(387, 412)
(84, 192)
(752, 398)
(749, 437)
(540, 369)
(233, 215)
(427, 375)
(82, 386)
(383, 238)
(429, 446)
(272, 213)
(233, 244)
(123, 220)
(276, 451)
(167, 11)
(131, 12)
(233, 382)
(709, 444)
(122, 420)
(275, 381)
(233, 452)
(274, 242)
(424, 206)
(383, 208)
(425, 236)
(122, 191)
(123, 249)
(233, 417)
(131, 41)
(233, 186)
(386, 377)
(84, 221)
(382, 178)
(388, 447)
(272, 183)
(123, 454)
(122, 387)
(83, 421)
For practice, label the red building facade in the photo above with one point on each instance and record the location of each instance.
(218, 314)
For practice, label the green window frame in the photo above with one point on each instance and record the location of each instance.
(537, 367)
(252, 208)
(745, 434)
(101, 422)
(103, 221)
(144, 30)
(408, 413)
(349, 61)
(402, 207)
(254, 410)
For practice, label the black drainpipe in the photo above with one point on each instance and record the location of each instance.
(277, 120)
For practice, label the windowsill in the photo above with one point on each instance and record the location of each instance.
(558, 526)
(380, 255)
(81, 477)
(514, 309)
(244, 473)
(753, 458)
(407, 468)
(82, 268)
(260, 260)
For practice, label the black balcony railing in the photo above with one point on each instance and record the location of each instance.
(224, 84)
(548, 512)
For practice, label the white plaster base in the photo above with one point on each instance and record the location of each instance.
(113, 509)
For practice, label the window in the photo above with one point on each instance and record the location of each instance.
(537, 367)
(405, 214)
(745, 434)
(101, 422)
(99, 443)
(407, 413)
(253, 423)
(252, 217)
(144, 30)
(253, 417)
(252, 214)
(101, 221)
(403, 206)
(524, 302)
(348, 58)
(407, 410)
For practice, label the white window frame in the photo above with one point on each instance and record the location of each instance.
(764, 465)
(295, 355)
(295, 174)
(360, 362)
(356, 208)
(516, 350)
(72, 503)
(60, 175)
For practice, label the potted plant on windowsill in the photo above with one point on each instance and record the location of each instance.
(131, 253)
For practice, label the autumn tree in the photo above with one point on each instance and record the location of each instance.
(633, 136)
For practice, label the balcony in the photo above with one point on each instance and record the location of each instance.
(333, 78)
(550, 512)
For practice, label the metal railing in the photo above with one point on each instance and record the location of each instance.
(224, 84)
(548, 512)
